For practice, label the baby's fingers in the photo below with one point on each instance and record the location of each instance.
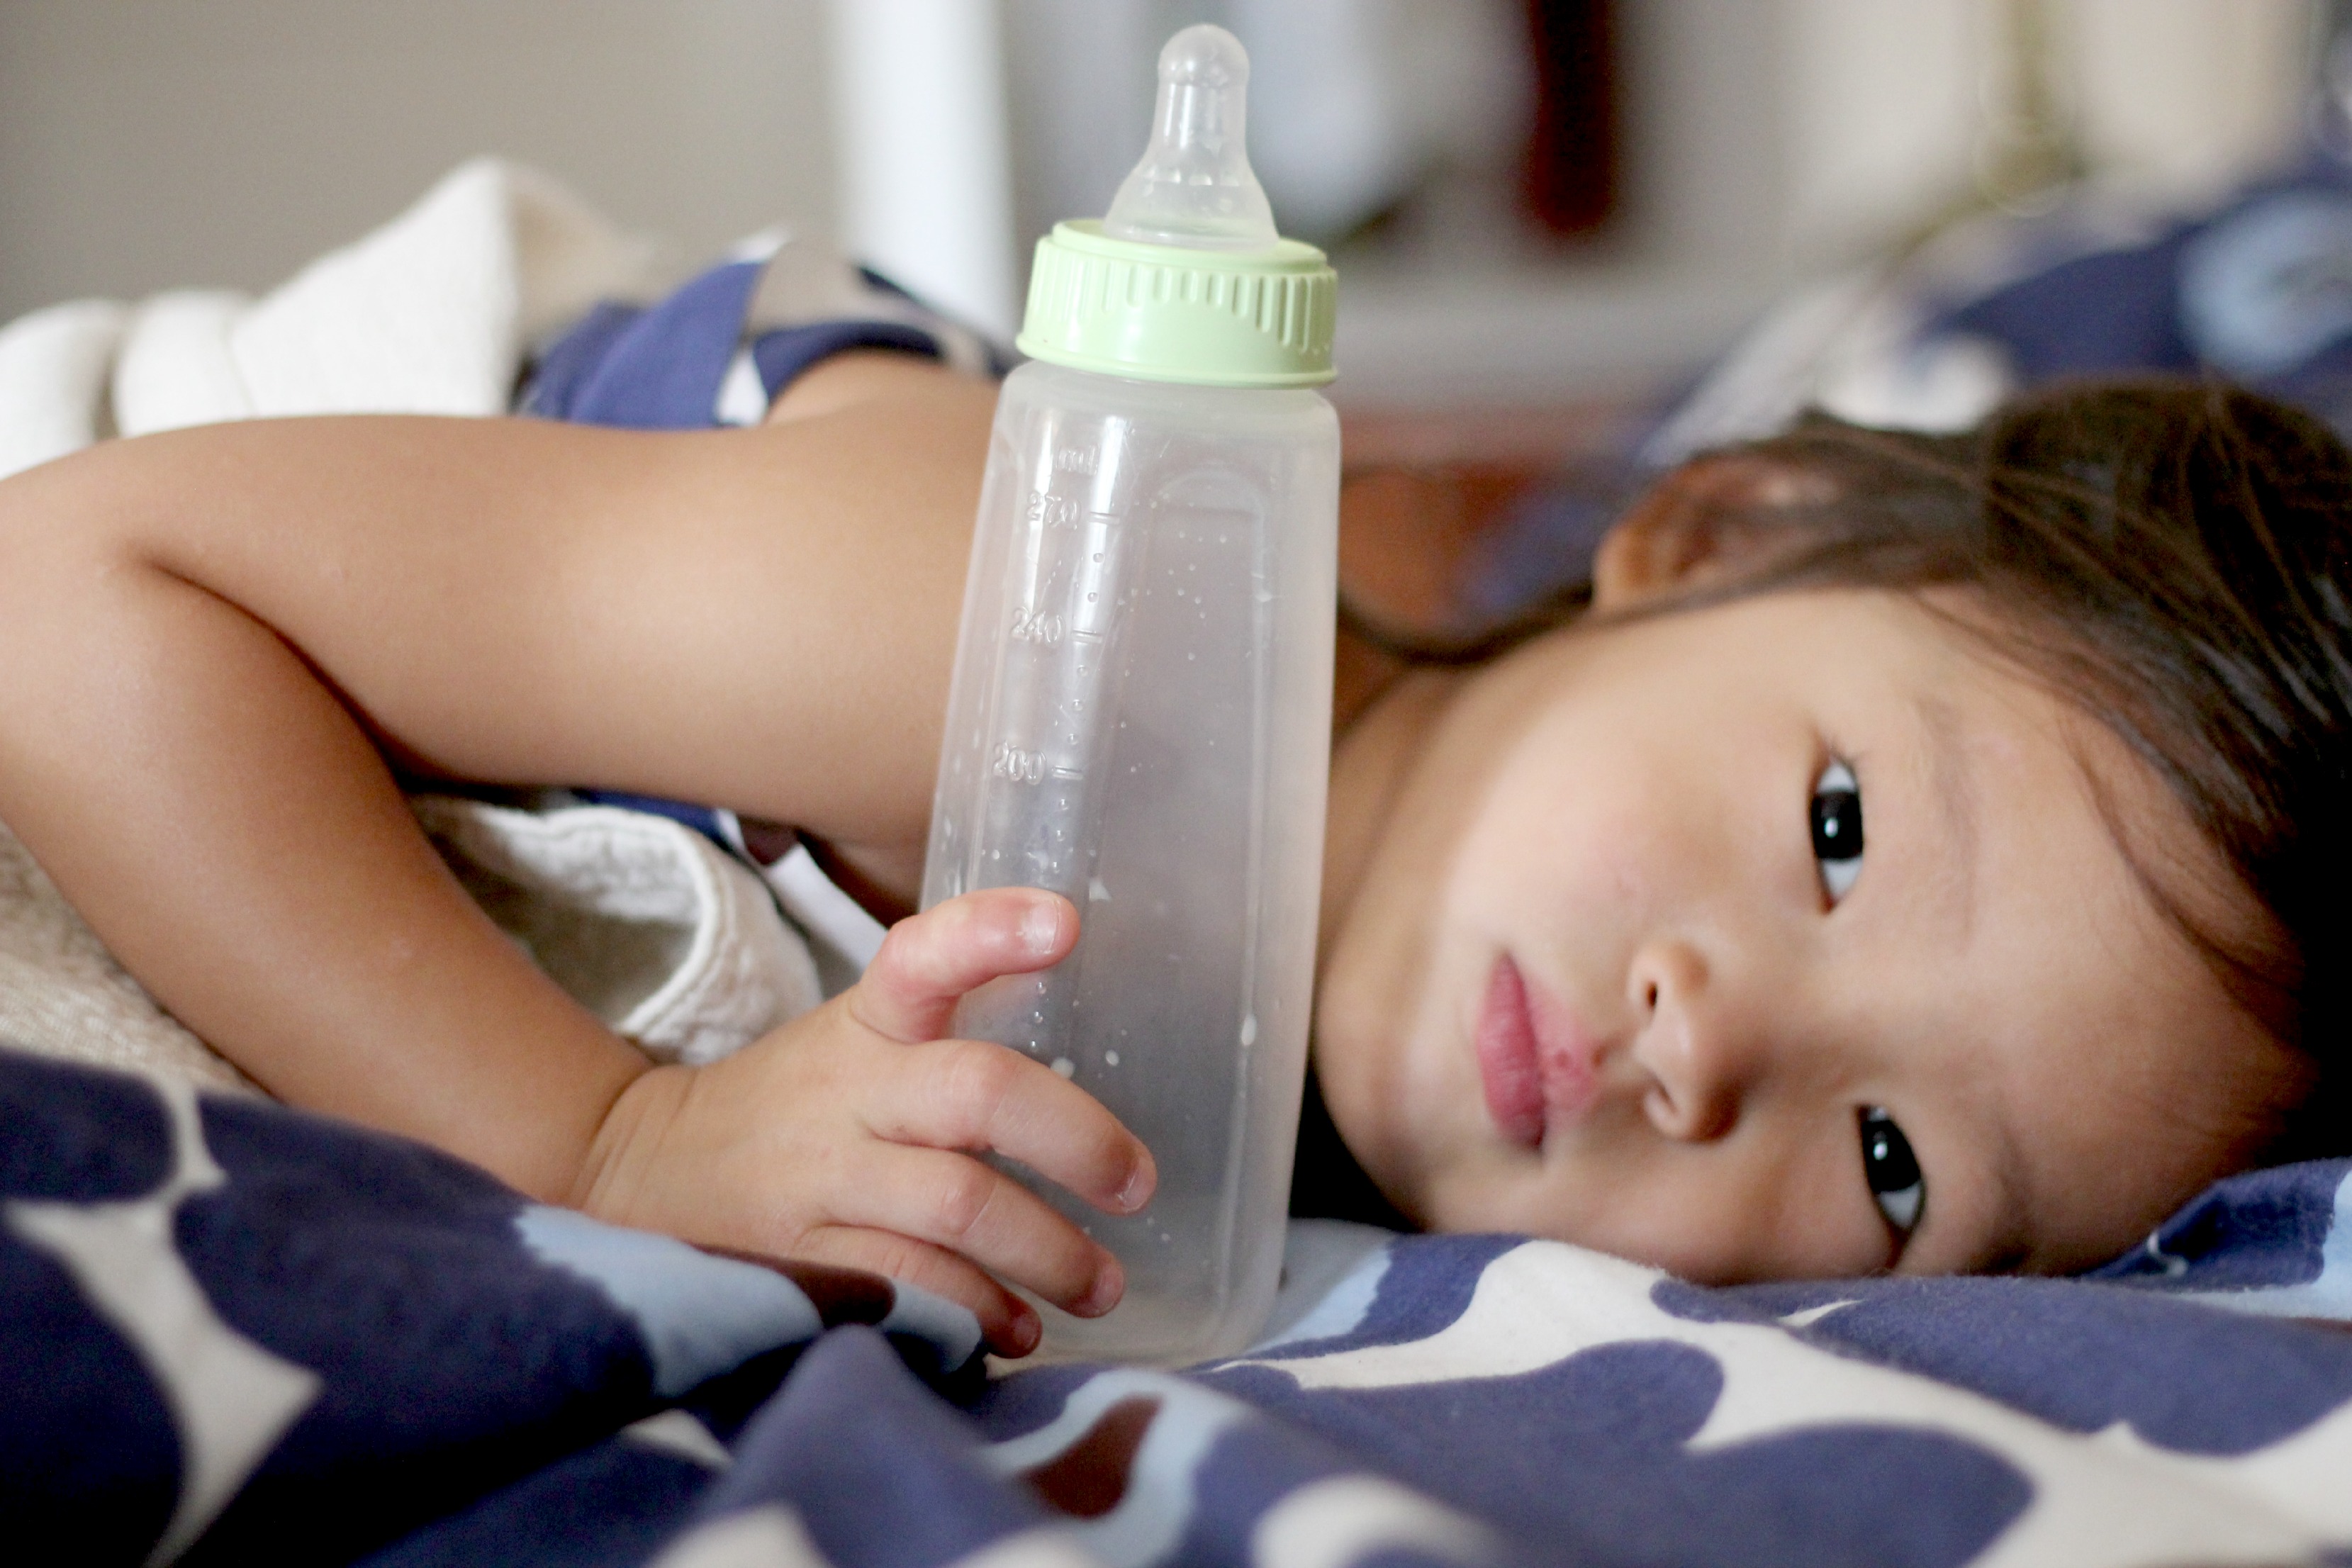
(969, 1094)
(929, 961)
(1008, 1325)
(969, 1208)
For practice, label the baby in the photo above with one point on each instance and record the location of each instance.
(1916, 857)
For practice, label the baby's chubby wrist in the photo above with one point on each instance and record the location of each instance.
(616, 1168)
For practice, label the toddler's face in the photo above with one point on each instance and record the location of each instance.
(1785, 937)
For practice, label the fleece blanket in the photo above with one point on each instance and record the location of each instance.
(656, 927)
(236, 1333)
(432, 314)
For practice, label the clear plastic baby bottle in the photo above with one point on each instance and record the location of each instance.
(1140, 713)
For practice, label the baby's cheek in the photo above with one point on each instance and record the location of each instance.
(1579, 843)
(1375, 1110)
(1467, 1192)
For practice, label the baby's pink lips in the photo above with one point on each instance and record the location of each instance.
(1535, 1063)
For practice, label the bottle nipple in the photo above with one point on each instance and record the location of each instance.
(1194, 187)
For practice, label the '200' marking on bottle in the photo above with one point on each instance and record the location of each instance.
(1010, 762)
(1031, 625)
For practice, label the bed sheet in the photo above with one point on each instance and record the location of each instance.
(238, 1333)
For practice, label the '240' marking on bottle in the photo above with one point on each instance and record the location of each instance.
(1032, 625)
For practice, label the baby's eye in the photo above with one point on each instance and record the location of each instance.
(1837, 830)
(1892, 1170)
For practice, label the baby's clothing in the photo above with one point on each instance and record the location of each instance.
(721, 349)
(658, 914)
(842, 937)
(717, 351)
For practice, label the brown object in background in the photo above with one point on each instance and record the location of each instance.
(1572, 174)
(1407, 534)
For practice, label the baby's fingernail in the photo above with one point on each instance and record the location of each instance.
(1041, 927)
(1136, 1192)
(1110, 1284)
(1020, 1335)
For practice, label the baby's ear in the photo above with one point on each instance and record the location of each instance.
(1699, 524)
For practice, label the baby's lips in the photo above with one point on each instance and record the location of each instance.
(1505, 1043)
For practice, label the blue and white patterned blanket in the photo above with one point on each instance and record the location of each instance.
(237, 1332)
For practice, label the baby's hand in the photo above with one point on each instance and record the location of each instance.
(850, 1135)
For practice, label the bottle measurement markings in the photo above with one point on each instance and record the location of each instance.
(1037, 626)
(1046, 509)
(1019, 764)
(1016, 764)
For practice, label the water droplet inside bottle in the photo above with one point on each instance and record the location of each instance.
(1110, 1058)
(1066, 1067)
(1249, 1030)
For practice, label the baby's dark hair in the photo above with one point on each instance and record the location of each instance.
(2174, 558)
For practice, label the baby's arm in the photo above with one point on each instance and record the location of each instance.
(208, 635)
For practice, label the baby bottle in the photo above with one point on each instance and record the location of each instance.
(1140, 713)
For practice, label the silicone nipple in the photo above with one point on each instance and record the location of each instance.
(1194, 187)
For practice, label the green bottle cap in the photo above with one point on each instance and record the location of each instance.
(1165, 313)
(1185, 280)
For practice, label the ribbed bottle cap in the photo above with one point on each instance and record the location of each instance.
(1185, 279)
(1166, 312)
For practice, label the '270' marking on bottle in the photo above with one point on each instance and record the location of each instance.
(1049, 510)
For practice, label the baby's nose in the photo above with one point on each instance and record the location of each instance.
(1698, 1062)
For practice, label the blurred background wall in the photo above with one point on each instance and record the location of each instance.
(1748, 143)
(147, 143)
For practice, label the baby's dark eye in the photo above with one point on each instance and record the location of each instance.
(1892, 1171)
(1837, 830)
